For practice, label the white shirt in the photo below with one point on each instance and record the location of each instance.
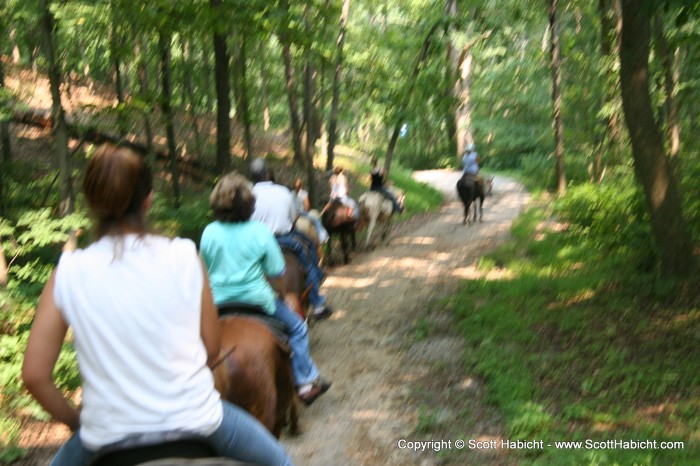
(299, 200)
(274, 206)
(471, 166)
(135, 310)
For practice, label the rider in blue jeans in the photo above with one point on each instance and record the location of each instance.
(274, 206)
(246, 265)
(145, 331)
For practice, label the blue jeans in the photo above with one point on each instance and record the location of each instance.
(305, 250)
(240, 436)
(303, 367)
(387, 194)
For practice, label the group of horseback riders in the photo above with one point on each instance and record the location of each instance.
(144, 309)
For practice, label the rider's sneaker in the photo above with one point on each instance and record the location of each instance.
(322, 312)
(318, 388)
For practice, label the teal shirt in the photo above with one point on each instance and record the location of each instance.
(238, 257)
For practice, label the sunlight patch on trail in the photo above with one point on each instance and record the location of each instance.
(419, 240)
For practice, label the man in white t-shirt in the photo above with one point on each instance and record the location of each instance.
(274, 206)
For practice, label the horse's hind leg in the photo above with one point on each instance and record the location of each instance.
(344, 242)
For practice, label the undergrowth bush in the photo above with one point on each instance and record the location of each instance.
(612, 217)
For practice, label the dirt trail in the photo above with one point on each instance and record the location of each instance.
(369, 349)
(383, 375)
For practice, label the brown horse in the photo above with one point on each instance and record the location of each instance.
(338, 220)
(297, 296)
(255, 373)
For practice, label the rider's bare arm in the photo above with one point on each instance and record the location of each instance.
(43, 348)
(209, 330)
(279, 285)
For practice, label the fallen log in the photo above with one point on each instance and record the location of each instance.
(41, 118)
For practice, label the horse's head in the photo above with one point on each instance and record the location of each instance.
(488, 186)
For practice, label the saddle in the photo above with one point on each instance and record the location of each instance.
(478, 179)
(256, 312)
(146, 447)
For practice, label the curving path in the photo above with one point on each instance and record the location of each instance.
(382, 373)
(369, 349)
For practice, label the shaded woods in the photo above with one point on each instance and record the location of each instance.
(591, 102)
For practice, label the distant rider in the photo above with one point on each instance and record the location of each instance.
(377, 184)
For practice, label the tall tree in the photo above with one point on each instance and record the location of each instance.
(651, 163)
(223, 91)
(333, 115)
(190, 94)
(265, 99)
(142, 74)
(58, 117)
(422, 55)
(285, 37)
(610, 24)
(4, 124)
(115, 51)
(555, 68)
(166, 108)
(240, 92)
(670, 70)
(5, 141)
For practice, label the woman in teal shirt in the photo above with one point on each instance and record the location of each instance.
(245, 265)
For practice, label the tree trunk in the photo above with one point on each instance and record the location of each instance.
(3, 268)
(6, 150)
(190, 95)
(265, 102)
(451, 81)
(673, 127)
(608, 12)
(223, 99)
(556, 97)
(286, 42)
(142, 74)
(16, 54)
(651, 164)
(4, 128)
(309, 115)
(240, 92)
(115, 46)
(335, 102)
(407, 97)
(60, 131)
(166, 98)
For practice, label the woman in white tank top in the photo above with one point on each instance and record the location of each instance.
(145, 330)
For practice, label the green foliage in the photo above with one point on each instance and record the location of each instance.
(9, 436)
(188, 221)
(611, 218)
(579, 343)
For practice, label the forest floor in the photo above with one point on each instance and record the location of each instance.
(391, 349)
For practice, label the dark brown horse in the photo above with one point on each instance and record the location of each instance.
(470, 191)
(338, 220)
(255, 373)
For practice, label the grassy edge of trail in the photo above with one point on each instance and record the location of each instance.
(575, 344)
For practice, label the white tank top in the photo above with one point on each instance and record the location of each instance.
(135, 310)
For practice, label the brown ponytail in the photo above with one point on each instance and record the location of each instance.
(117, 182)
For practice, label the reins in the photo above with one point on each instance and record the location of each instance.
(222, 358)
